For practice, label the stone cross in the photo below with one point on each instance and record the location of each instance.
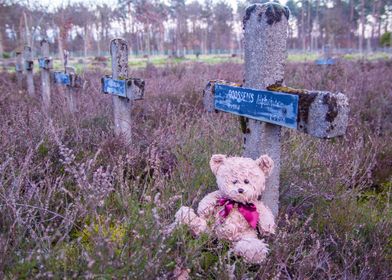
(72, 88)
(28, 68)
(19, 68)
(71, 80)
(45, 64)
(264, 104)
(123, 89)
(327, 57)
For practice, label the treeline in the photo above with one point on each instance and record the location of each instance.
(175, 27)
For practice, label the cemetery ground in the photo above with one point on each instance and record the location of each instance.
(78, 202)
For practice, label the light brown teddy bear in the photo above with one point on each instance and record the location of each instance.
(236, 210)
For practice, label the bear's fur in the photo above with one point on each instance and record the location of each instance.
(241, 182)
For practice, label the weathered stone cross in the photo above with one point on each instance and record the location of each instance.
(28, 68)
(45, 63)
(19, 68)
(264, 104)
(122, 88)
(70, 80)
(327, 57)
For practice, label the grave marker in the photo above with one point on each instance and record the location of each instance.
(325, 61)
(70, 80)
(19, 68)
(317, 113)
(45, 64)
(123, 89)
(262, 105)
(62, 78)
(327, 57)
(28, 68)
(72, 88)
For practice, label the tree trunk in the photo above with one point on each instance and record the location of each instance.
(352, 23)
(373, 23)
(178, 34)
(102, 35)
(139, 38)
(206, 39)
(379, 24)
(303, 26)
(61, 47)
(148, 40)
(85, 41)
(362, 36)
(27, 32)
(98, 42)
(318, 24)
(21, 33)
(309, 35)
(1, 44)
(378, 20)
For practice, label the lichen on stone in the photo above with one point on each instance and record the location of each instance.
(332, 107)
(244, 125)
(272, 11)
(279, 88)
(275, 11)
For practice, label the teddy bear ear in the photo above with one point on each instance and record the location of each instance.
(266, 164)
(215, 162)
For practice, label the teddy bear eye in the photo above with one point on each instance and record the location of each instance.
(235, 182)
(246, 181)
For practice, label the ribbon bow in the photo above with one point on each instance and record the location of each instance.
(248, 211)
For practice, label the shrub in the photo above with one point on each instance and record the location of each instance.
(385, 39)
(78, 202)
(6, 55)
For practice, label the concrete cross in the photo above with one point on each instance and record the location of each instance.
(70, 80)
(19, 68)
(28, 68)
(72, 88)
(123, 89)
(45, 64)
(264, 104)
(327, 58)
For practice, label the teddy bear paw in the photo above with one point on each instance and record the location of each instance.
(187, 216)
(253, 250)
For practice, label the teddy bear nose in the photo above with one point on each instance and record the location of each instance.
(241, 190)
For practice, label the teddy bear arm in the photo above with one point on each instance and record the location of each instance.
(266, 223)
(207, 204)
(187, 216)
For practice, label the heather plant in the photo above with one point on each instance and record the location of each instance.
(78, 202)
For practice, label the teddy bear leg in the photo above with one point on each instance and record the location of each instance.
(252, 249)
(187, 216)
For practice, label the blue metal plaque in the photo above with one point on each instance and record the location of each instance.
(267, 106)
(41, 63)
(115, 87)
(323, 61)
(44, 63)
(62, 78)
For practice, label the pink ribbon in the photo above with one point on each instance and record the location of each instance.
(248, 211)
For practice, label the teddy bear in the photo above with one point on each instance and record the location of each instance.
(235, 212)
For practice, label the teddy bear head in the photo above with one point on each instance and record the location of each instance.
(241, 179)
